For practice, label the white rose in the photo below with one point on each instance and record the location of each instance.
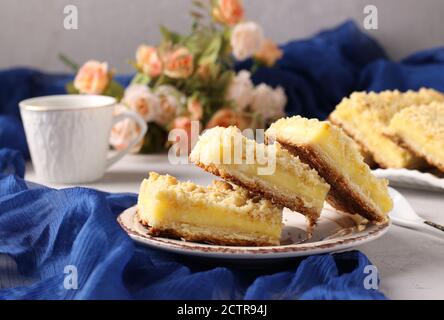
(123, 132)
(269, 102)
(171, 102)
(140, 99)
(171, 91)
(246, 40)
(240, 90)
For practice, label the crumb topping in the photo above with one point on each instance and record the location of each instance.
(384, 105)
(219, 193)
(430, 118)
(207, 151)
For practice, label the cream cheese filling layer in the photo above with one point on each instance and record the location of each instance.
(163, 209)
(384, 150)
(420, 142)
(312, 195)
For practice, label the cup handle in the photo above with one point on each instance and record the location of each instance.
(143, 129)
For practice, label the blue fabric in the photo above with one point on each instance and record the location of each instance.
(11, 162)
(45, 230)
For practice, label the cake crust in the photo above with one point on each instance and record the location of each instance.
(342, 196)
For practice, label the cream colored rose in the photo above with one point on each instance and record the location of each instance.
(92, 77)
(246, 40)
(140, 99)
(171, 101)
(178, 63)
(123, 132)
(240, 90)
(269, 53)
(269, 102)
(148, 61)
(229, 12)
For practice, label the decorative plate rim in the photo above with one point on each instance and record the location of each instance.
(372, 232)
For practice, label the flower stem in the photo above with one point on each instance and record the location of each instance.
(68, 62)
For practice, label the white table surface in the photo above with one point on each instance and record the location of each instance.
(410, 263)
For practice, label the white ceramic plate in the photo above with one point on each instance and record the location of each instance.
(335, 232)
(411, 179)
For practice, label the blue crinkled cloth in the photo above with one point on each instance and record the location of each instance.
(44, 230)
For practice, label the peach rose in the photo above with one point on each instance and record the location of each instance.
(179, 63)
(140, 99)
(123, 132)
(229, 12)
(148, 60)
(246, 40)
(92, 77)
(184, 123)
(269, 53)
(227, 117)
(195, 108)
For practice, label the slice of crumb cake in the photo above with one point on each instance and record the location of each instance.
(366, 116)
(269, 171)
(421, 130)
(219, 214)
(335, 156)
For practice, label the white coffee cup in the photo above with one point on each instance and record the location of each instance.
(68, 136)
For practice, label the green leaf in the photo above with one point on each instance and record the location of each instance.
(133, 64)
(196, 42)
(211, 53)
(170, 36)
(199, 4)
(141, 78)
(115, 90)
(70, 89)
(224, 79)
(69, 62)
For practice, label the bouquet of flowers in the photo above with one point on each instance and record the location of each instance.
(191, 77)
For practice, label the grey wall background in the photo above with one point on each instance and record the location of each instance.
(32, 33)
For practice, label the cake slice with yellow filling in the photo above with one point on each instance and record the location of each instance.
(366, 116)
(335, 156)
(269, 171)
(219, 214)
(421, 130)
